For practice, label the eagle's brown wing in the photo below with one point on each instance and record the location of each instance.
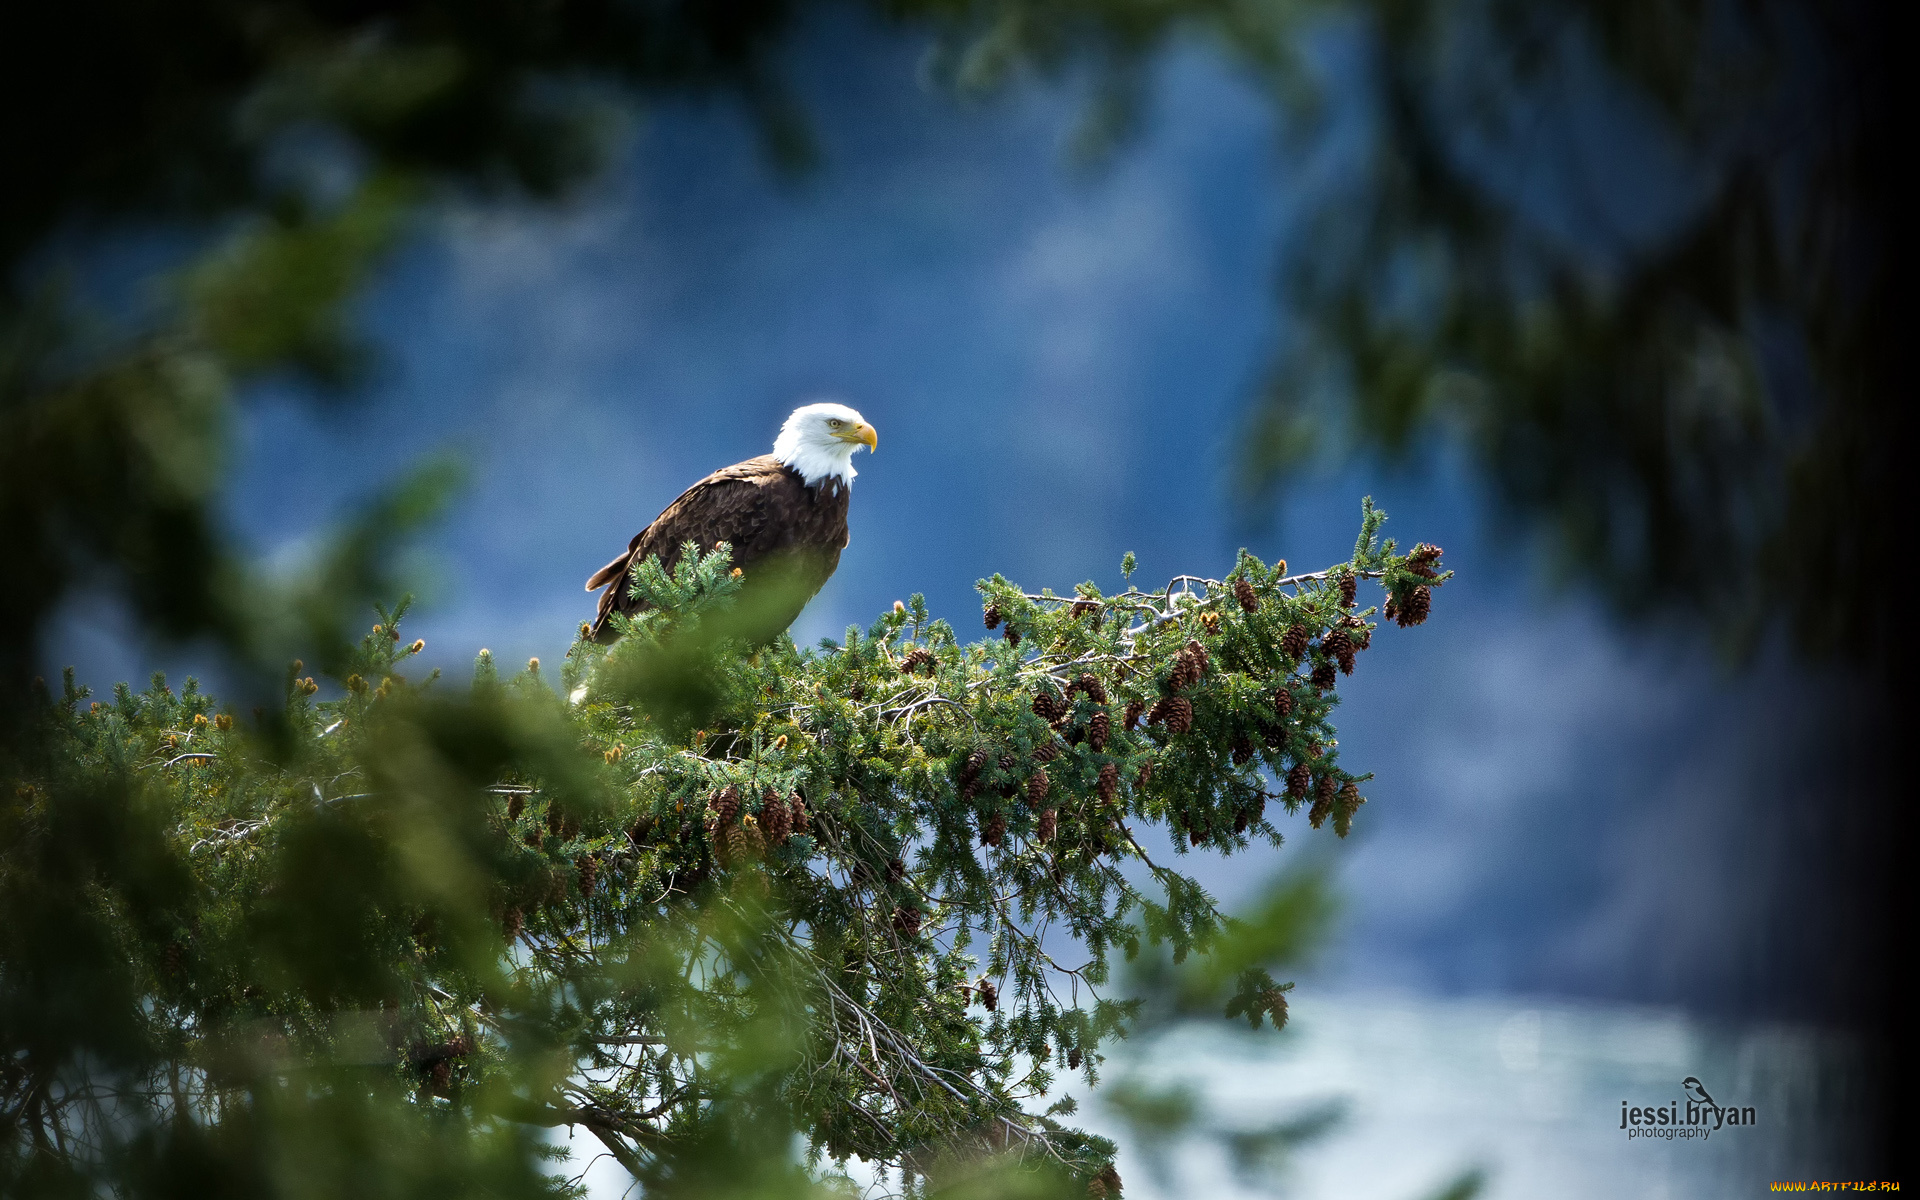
(731, 505)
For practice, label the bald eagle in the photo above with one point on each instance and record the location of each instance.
(784, 514)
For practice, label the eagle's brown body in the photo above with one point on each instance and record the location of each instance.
(781, 531)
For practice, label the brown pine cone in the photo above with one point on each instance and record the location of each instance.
(1197, 655)
(993, 616)
(589, 868)
(1099, 729)
(1317, 815)
(1073, 1059)
(1244, 593)
(1344, 807)
(726, 805)
(969, 776)
(1037, 787)
(1421, 561)
(1145, 776)
(1109, 785)
(1046, 826)
(1083, 608)
(1046, 751)
(1007, 763)
(554, 819)
(1348, 589)
(799, 811)
(1239, 822)
(1298, 780)
(533, 838)
(1294, 644)
(1108, 1181)
(775, 821)
(896, 870)
(1242, 750)
(1339, 644)
(1419, 604)
(1091, 685)
(1392, 609)
(1283, 702)
(1132, 719)
(1323, 677)
(989, 995)
(511, 923)
(1012, 635)
(516, 805)
(1197, 833)
(1048, 706)
(916, 658)
(1179, 715)
(906, 921)
(994, 829)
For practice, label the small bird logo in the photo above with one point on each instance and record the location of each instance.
(1696, 1089)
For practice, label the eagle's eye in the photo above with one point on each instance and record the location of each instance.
(835, 422)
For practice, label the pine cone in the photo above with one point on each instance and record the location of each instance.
(511, 923)
(906, 921)
(1048, 706)
(1322, 801)
(1344, 807)
(1083, 608)
(1419, 604)
(1393, 608)
(1298, 780)
(896, 870)
(589, 868)
(969, 776)
(1244, 593)
(1197, 833)
(1132, 719)
(989, 995)
(994, 616)
(1145, 776)
(1037, 787)
(1048, 824)
(1007, 763)
(775, 820)
(1339, 644)
(1012, 635)
(1089, 684)
(1421, 561)
(1294, 644)
(1108, 1181)
(1073, 1059)
(1179, 715)
(726, 805)
(1242, 750)
(533, 838)
(993, 830)
(516, 805)
(1109, 784)
(1099, 729)
(1323, 677)
(1283, 702)
(799, 810)
(1348, 589)
(916, 658)
(1239, 822)
(1046, 751)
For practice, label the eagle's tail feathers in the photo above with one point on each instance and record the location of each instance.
(607, 574)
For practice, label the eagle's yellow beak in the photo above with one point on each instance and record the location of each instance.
(862, 433)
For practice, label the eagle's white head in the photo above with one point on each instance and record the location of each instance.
(818, 441)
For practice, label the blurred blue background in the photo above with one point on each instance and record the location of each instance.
(1057, 358)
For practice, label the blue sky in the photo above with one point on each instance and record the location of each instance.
(1058, 361)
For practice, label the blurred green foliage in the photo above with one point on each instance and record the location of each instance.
(267, 948)
(859, 900)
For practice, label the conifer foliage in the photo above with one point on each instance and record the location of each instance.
(699, 900)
